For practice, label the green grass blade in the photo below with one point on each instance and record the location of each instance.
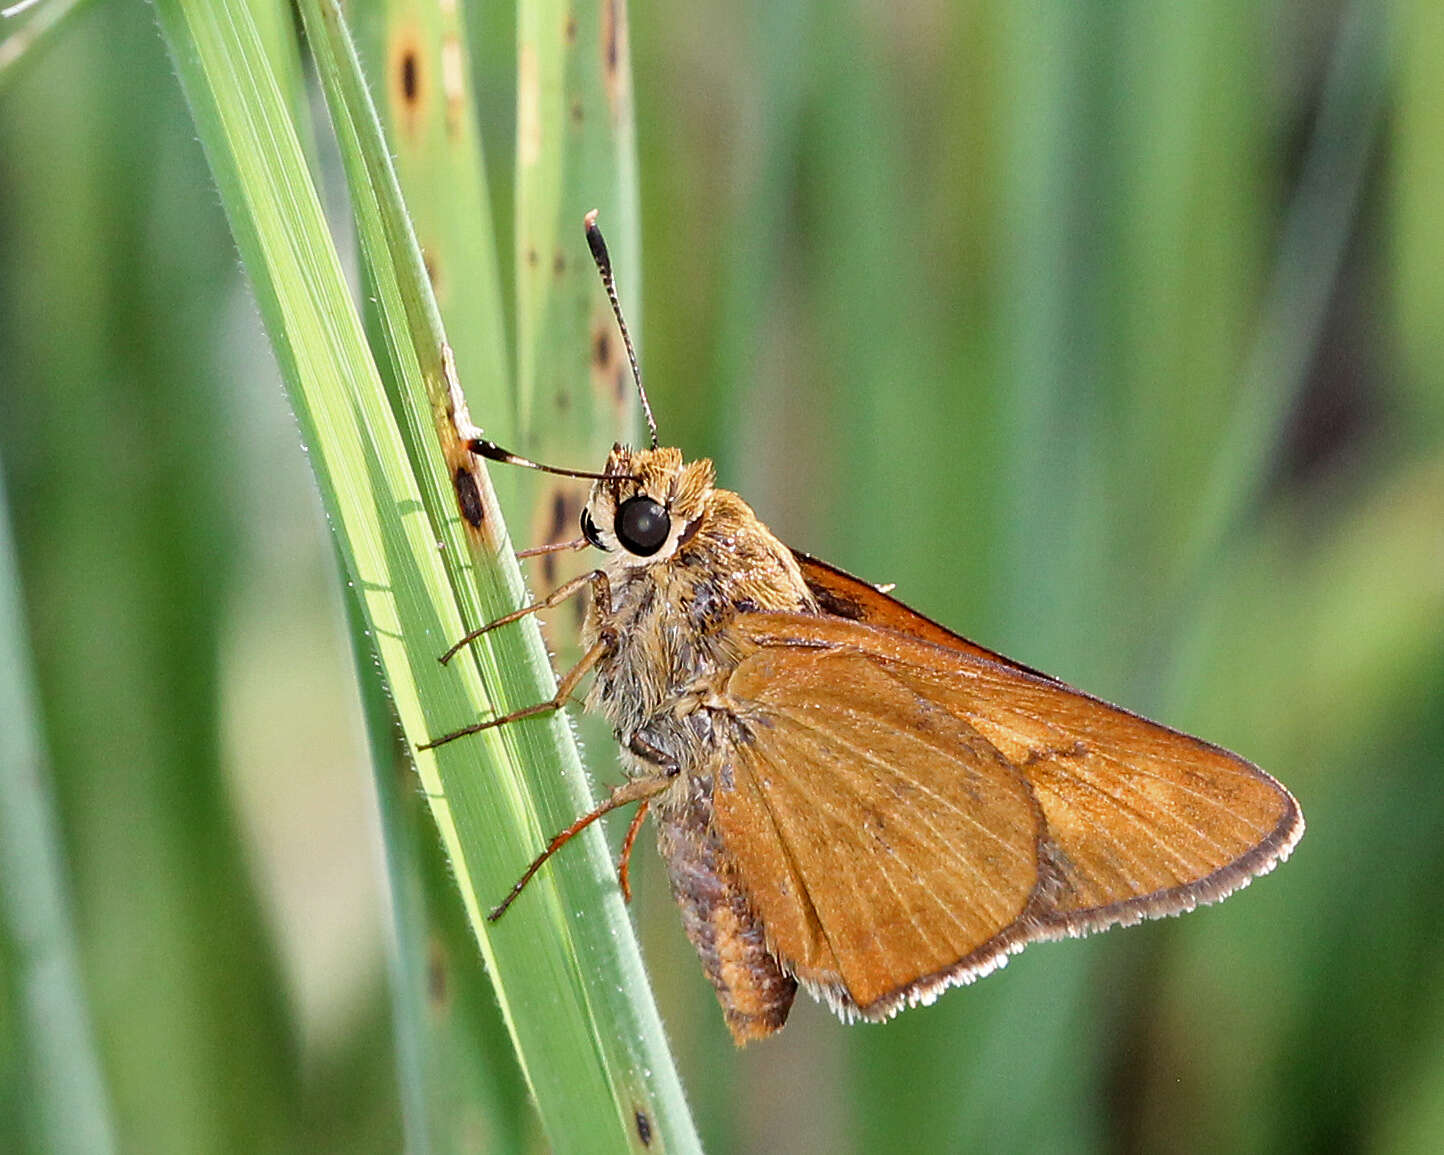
(571, 988)
(61, 1103)
(458, 1067)
(420, 56)
(574, 154)
(624, 1027)
(627, 1033)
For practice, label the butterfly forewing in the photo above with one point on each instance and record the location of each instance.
(1135, 812)
(941, 808)
(1025, 717)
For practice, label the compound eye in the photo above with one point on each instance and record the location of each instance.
(642, 525)
(589, 529)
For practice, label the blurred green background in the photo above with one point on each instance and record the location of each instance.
(1112, 333)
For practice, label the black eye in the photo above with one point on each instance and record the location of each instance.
(589, 529)
(642, 526)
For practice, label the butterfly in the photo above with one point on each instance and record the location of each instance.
(849, 796)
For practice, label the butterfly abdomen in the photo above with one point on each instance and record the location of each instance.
(754, 990)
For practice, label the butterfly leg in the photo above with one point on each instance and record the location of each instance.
(556, 702)
(553, 547)
(625, 862)
(634, 790)
(596, 579)
(667, 767)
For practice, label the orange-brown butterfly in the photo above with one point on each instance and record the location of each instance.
(848, 795)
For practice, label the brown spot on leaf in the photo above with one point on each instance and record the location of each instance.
(610, 34)
(559, 263)
(406, 78)
(560, 517)
(554, 519)
(433, 269)
(409, 69)
(563, 516)
(614, 58)
(468, 497)
(611, 380)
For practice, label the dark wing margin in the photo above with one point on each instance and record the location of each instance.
(842, 595)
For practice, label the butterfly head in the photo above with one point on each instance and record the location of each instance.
(649, 503)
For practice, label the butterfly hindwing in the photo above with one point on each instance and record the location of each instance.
(882, 839)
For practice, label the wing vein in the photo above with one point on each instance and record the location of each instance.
(938, 841)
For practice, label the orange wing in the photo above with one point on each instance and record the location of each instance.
(845, 596)
(905, 813)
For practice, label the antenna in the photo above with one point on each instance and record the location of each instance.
(604, 266)
(494, 452)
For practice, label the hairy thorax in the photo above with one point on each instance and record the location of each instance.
(658, 684)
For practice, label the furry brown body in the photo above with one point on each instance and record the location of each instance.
(662, 688)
